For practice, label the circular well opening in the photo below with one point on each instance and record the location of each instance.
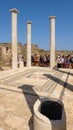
(52, 110)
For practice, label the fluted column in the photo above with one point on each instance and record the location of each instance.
(52, 41)
(29, 44)
(14, 13)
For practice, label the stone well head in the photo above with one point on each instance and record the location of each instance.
(49, 115)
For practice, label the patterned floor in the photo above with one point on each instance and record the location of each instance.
(35, 81)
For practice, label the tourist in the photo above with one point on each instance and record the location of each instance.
(59, 61)
(63, 62)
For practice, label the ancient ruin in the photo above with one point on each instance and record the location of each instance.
(22, 86)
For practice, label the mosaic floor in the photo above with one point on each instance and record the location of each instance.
(42, 81)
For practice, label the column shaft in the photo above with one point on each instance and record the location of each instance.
(28, 44)
(52, 42)
(14, 39)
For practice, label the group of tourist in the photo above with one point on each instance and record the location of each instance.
(44, 61)
(65, 61)
(40, 60)
(36, 60)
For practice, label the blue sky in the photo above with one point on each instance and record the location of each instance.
(38, 11)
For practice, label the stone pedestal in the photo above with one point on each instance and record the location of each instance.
(28, 44)
(52, 41)
(14, 38)
(21, 64)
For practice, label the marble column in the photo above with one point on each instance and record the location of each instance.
(29, 44)
(14, 13)
(52, 41)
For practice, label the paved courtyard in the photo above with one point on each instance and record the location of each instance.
(20, 89)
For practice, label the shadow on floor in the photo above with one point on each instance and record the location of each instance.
(59, 70)
(31, 98)
(59, 81)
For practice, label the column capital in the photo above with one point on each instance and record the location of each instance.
(14, 10)
(52, 17)
(29, 22)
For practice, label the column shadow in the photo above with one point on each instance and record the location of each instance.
(31, 98)
(59, 81)
(59, 70)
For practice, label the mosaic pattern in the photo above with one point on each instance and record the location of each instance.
(29, 81)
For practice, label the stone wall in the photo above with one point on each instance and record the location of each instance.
(6, 51)
(6, 54)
